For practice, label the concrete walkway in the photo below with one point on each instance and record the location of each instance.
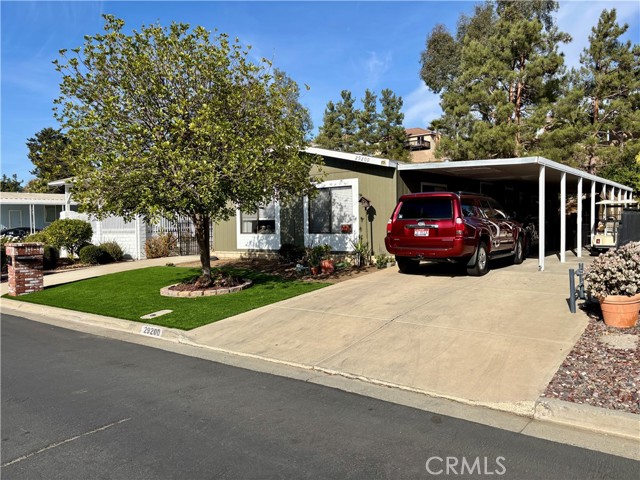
(494, 341)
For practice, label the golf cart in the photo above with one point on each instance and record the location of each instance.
(607, 229)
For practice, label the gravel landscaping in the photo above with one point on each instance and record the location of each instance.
(603, 369)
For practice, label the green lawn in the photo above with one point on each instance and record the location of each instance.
(135, 293)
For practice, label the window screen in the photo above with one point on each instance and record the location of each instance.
(262, 221)
(330, 209)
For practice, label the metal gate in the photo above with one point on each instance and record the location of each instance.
(184, 232)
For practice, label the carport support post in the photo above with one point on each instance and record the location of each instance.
(579, 221)
(592, 217)
(563, 216)
(541, 217)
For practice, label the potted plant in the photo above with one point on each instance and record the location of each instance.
(319, 259)
(361, 253)
(614, 279)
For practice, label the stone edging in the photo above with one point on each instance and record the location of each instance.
(167, 292)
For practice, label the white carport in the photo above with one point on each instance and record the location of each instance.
(551, 177)
(26, 204)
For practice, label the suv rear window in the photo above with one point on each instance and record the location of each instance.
(426, 208)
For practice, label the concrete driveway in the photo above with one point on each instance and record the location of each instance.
(492, 340)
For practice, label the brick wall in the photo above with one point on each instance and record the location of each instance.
(25, 269)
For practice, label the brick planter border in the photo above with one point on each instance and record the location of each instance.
(167, 292)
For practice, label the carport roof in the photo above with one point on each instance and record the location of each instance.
(522, 169)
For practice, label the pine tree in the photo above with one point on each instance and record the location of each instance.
(367, 134)
(390, 130)
(330, 132)
(596, 125)
(505, 66)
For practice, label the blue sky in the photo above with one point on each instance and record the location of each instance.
(328, 45)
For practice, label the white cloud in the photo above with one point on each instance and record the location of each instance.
(421, 106)
(376, 66)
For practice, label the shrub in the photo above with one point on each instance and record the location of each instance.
(615, 272)
(113, 250)
(159, 246)
(51, 257)
(291, 253)
(69, 233)
(40, 237)
(93, 255)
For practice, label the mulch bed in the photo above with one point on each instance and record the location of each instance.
(597, 373)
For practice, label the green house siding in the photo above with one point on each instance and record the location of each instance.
(376, 183)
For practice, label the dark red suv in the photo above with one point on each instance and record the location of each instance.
(455, 227)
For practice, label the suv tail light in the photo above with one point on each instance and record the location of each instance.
(460, 227)
(388, 226)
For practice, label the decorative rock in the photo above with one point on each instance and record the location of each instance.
(169, 292)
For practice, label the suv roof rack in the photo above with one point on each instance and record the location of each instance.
(471, 193)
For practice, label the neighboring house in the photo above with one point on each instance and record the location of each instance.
(422, 144)
(31, 210)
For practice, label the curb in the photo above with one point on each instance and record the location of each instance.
(624, 425)
(610, 422)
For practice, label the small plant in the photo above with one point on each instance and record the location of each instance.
(291, 253)
(69, 233)
(39, 237)
(382, 260)
(316, 254)
(160, 246)
(113, 250)
(51, 257)
(615, 272)
(361, 253)
(93, 255)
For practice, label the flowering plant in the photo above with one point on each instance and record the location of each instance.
(616, 272)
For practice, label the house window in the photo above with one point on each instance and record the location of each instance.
(262, 221)
(330, 210)
(51, 213)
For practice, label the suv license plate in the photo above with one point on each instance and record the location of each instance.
(421, 232)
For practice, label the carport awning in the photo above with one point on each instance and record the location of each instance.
(525, 169)
(534, 169)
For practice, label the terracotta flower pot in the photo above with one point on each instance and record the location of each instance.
(315, 270)
(620, 311)
(327, 266)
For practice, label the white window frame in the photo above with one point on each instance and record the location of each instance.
(258, 241)
(339, 242)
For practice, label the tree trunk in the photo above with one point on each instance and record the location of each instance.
(202, 224)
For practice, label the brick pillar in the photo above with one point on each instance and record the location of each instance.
(25, 267)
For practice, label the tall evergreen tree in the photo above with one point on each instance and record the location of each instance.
(596, 125)
(367, 134)
(330, 133)
(10, 184)
(347, 119)
(392, 143)
(49, 155)
(505, 66)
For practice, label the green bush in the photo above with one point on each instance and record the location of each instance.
(69, 233)
(51, 257)
(159, 246)
(93, 255)
(113, 250)
(40, 237)
(291, 253)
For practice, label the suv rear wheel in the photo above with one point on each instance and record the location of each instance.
(482, 262)
(407, 265)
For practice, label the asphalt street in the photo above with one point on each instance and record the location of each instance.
(78, 406)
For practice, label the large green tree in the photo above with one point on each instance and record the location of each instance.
(49, 155)
(367, 134)
(596, 124)
(174, 120)
(502, 67)
(10, 184)
(391, 133)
